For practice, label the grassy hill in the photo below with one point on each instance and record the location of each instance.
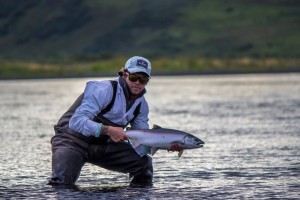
(68, 31)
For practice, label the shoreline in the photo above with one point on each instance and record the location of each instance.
(158, 74)
(161, 67)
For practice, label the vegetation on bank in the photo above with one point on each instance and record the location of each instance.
(47, 31)
(161, 66)
(76, 38)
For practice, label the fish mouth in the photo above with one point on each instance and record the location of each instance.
(200, 143)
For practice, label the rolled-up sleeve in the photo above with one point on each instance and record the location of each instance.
(97, 95)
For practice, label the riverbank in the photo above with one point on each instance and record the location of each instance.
(161, 66)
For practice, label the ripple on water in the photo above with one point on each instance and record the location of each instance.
(250, 125)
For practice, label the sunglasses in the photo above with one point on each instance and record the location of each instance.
(134, 78)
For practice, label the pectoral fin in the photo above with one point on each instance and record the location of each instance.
(153, 150)
(180, 152)
(133, 143)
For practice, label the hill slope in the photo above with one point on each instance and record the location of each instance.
(53, 30)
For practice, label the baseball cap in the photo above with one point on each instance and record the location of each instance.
(137, 64)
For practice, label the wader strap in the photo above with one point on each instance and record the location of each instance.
(136, 111)
(100, 119)
(110, 105)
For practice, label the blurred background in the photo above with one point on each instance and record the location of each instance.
(76, 38)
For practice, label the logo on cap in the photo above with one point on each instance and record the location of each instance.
(142, 63)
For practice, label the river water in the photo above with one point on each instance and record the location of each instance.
(250, 124)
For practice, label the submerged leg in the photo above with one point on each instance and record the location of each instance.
(121, 157)
(67, 159)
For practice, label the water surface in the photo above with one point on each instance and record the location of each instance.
(250, 123)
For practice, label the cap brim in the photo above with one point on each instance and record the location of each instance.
(138, 69)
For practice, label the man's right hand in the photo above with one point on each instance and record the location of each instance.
(117, 134)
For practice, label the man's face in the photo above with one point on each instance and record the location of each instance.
(135, 86)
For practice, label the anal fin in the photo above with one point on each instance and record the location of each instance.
(153, 150)
(180, 152)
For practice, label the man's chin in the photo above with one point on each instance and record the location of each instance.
(135, 91)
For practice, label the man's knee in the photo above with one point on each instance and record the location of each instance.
(66, 166)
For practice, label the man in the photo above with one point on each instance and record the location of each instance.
(92, 130)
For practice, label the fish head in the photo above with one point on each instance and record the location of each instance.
(192, 142)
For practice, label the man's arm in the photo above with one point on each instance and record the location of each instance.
(96, 96)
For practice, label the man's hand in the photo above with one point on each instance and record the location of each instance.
(117, 134)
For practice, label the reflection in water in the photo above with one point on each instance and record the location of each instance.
(250, 124)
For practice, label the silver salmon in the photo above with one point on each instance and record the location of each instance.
(148, 141)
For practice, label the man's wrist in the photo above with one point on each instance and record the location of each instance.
(104, 130)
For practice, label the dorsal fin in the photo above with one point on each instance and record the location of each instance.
(155, 126)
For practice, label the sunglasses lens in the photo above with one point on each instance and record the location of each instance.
(134, 78)
(144, 80)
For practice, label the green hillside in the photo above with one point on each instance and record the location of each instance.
(49, 31)
(35, 29)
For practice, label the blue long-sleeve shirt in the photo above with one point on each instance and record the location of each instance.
(97, 95)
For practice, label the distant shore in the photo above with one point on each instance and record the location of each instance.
(154, 74)
(161, 67)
